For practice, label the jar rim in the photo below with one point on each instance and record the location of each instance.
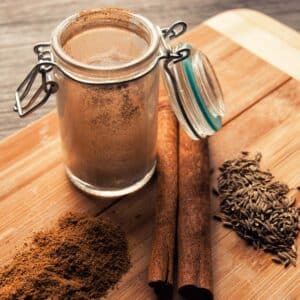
(154, 40)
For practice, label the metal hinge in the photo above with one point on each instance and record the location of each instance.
(48, 86)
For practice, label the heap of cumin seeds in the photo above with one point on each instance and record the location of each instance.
(258, 208)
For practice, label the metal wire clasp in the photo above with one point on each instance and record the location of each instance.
(170, 55)
(47, 87)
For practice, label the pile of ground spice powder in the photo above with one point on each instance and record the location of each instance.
(82, 257)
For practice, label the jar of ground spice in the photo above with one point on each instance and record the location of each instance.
(104, 67)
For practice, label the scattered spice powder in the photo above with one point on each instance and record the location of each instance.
(82, 257)
(258, 208)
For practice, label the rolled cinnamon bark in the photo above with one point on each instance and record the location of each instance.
(161, 267)
(193, 241)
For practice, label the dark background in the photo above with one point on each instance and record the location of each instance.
(23, 23)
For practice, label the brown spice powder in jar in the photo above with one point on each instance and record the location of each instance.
(80, 258)
(108, 131)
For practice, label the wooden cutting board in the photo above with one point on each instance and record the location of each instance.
(262, 114)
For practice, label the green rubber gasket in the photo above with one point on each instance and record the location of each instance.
(214, 122)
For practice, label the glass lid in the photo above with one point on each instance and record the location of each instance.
(195, 93)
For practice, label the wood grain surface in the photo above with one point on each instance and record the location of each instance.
(263, 114)
(24, 23)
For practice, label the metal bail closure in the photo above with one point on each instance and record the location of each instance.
(47, 87)
(194, 91)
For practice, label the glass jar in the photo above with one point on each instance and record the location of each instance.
(104, 67)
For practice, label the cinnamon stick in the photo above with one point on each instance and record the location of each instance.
(193, 241)
(161, 265)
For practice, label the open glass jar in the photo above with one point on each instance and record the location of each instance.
(104, 67)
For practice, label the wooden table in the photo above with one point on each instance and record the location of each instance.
(23, 23)
(263, 113)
